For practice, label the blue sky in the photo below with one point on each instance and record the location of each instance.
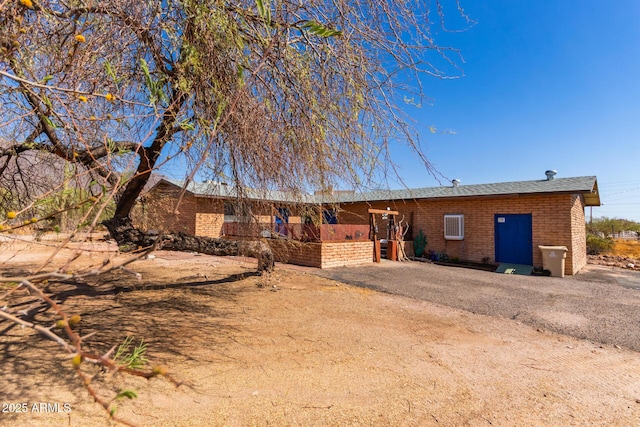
(546, 85)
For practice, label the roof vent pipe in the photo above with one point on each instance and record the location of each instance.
(455, 182)
(550, 175)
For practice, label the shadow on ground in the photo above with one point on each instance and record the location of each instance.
(173, 318)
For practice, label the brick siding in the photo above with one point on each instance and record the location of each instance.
(322, 255)
(337, 254)
(209, 217)
(557, 219)
(578, 253)
(201, 216)
(155, 211)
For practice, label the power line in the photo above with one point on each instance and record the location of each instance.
(620, 192)
(619, 182)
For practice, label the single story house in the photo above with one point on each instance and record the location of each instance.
(495, 223)
(215, 209)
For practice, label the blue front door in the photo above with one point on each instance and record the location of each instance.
(513, 236)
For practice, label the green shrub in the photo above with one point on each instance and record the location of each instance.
(419, 244)
(597, 245)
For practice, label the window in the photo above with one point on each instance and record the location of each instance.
(282, 219)
(329, 216)
(454, 227)
(229, 211)
(235, 211)
(282, 216)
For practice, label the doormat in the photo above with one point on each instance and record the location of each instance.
(523, 270)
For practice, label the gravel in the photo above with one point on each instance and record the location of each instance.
(600, 304)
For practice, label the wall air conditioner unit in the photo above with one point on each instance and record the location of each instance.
(454, 227)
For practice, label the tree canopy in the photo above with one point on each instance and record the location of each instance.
(267, 94)
(610, 226)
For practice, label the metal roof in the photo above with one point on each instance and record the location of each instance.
(585, 185)
(225, 191)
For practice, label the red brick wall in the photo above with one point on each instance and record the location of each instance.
(155, 212)
(202, 216)
(337, 254)
(322, 255)
(209, 217)
(306, 254)
(556, 220)
(578, 253)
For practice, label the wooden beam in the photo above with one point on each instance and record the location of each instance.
(382, 211)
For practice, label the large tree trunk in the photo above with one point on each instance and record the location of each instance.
(130, 238)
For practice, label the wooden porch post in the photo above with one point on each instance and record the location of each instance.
(373, 232)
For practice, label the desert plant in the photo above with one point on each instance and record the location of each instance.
(438, 256)
(131, 358)
(597, 245)
(419, 244)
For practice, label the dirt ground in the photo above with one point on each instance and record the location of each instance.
(297, 349)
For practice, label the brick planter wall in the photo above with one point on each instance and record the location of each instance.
(323, 255)
(337, 254)
(306, 254)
